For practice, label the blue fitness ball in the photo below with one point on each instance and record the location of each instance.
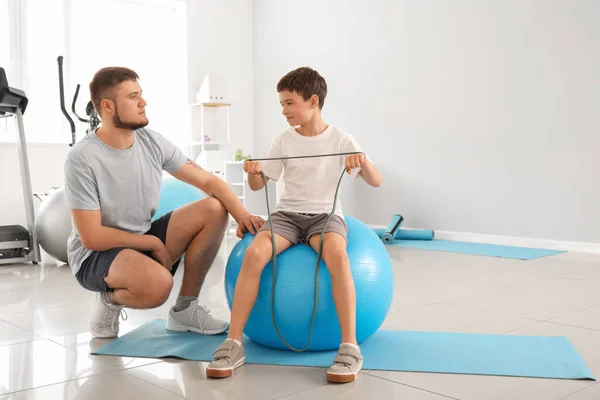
(174, 194)
(294, 292)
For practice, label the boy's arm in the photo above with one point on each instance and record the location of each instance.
(370, 173)
(271, 168)
(256, 182)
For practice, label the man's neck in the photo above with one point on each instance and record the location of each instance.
(314, 127)
(120, 139)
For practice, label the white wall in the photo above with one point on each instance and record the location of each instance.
(46, 165)
(219, 43)
(481, 115)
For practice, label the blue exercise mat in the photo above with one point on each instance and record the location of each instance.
(480, 249)
(459, 353)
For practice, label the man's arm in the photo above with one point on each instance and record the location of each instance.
(82, 197)
(96, 237)
(194, 175)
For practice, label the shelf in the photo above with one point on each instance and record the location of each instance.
(213, 105)
(236, 184)
(241, 197)
(210, 143)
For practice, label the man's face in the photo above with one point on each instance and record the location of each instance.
(129, 106)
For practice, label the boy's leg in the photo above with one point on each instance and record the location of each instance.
(256, 258)
(342, 284)
(348, 362)
(230, 355)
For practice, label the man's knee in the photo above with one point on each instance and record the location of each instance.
(214, 207)
(158, 289)
(146, 279)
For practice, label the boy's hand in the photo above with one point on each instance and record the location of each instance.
(354, 161)
(253, 167)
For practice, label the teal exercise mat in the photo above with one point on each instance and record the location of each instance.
(480, 249)
(439, 352)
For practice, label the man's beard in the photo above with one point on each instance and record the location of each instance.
(118, 123)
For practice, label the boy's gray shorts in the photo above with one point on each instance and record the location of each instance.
(300, 227)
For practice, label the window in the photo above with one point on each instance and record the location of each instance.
(4, 34)
(148, 36)
(42, 42)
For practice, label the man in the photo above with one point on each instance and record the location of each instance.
(113, 179)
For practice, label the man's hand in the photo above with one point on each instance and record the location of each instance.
(354, 161)
(253, 167)
(249, 223)
(161, 255)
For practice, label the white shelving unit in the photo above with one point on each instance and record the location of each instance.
(209, 154)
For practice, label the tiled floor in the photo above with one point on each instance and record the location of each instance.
(45, 341)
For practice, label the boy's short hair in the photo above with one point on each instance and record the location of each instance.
(105, 80)
(305, 81)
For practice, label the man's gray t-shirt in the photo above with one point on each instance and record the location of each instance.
(123, 184)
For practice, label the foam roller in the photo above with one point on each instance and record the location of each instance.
(392, 228)
(414, 234)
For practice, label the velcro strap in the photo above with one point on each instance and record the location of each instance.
(345, 359)
(222, 351)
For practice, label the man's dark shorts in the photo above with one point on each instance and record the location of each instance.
(95, 267)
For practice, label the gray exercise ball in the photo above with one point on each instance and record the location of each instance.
(53, 224)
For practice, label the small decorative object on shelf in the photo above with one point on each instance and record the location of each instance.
(206, 138)
(239, 156)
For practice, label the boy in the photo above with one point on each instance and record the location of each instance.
(300, 216)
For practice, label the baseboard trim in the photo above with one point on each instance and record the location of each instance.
(578, 247)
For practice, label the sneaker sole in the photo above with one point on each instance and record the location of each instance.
(107, 336)
(103, 335)
(177, 327)
(224, 372)
(343, 378)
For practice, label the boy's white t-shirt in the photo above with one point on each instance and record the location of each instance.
(310, 183)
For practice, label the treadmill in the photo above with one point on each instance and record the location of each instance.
(18, 244)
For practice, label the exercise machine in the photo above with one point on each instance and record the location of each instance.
(93, 120)
(18, 244)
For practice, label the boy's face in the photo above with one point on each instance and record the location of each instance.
(296, 110)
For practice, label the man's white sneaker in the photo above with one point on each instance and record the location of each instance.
(105, 319)
(195, 318)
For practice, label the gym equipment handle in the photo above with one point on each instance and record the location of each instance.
(61, 87)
